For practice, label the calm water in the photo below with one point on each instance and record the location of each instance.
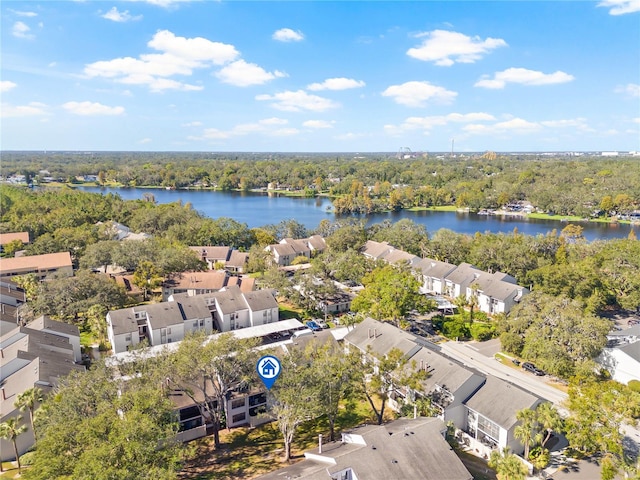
(257, 209)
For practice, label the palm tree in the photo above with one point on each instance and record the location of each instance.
(507, 465)
(11, 430)
(29, 400)
(526, 432)
(549, 419)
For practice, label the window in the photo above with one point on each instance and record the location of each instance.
(168, 330)
(237, 403)
(127, 338)
(257, 399)
(489, 428)
(255, 411)
(239, 417)
(202, 322)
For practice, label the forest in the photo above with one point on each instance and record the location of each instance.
(574, 285)
(588, 187)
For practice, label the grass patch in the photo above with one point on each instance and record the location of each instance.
(249, 452)
(288, 311)
(439, 208)
(10, 470)
(562, 218)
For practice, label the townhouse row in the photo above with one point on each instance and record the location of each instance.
(495, 292)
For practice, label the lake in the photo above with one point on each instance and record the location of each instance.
(258, 209)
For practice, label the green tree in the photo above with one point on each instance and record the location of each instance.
(11, 429)
(97, 425)
(527, 431)
(549, 420)
(378, 377)
(333, 373)
(208, 371)
(29, 401)
(294, 397)
(507, 465)
(390, 293)
(147, 277)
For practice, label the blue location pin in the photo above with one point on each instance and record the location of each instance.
(268, 368)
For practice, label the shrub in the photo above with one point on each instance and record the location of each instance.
(634, 385)
(482, 332)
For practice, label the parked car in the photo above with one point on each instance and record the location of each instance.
(530, 367)
(313, 326)
(321, 323)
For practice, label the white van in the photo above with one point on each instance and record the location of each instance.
(301, 333)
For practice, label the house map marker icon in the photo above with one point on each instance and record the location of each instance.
(268, 368)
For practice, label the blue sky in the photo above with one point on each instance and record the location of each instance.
(346, 76)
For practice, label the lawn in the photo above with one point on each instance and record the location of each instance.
(10, 470)
(250, 452)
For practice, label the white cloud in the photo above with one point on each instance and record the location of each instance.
(6, 85)
(162, 3)
(21, 13)
(523, 77)
(118, 16)
(32, 109)
(427, 123)
(21, 30)
(192, 124)
(243, 74)
(318, 124)
(417, 94)
(144, 141)
(91, 108)
(621, 7)
(287, 35)
(179, 56)
(445, 48)
(336, 84)
(513, 125)
(274, 121)
(630, 89)
(298, 101)
(636, 120)
(263, 127)
(580, 123)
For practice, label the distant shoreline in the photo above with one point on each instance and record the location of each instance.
(440, 208)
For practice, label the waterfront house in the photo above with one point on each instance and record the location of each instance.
(42, 266)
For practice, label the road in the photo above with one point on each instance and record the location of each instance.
(472, 357)
(484, 361)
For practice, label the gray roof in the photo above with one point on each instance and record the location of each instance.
(299, 246)
(230, 300)
(395, 256)
(283, 249)
(463, 273)
(237, 259)
(45, 322)
(499, 401)
(632, 349)
(405, 449)
(213, 253)
(435, 268)
(381, 338)
(259, 300)
(165, 314)
(497, 285)
(194, 307)
(444, 372)
(376, 249)
(317, 242)
(123, 321)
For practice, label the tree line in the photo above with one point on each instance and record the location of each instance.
(584, 186)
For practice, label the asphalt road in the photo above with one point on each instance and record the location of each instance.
(481, 357)
(471, 356)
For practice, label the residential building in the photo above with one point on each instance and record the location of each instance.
(6, 238)
(484, 407)
(158, 323)
(491, 414)
(233, 309)
(457, 281)
(42, 266)
(237, 262)
(32, 358)
(407, 449)
(194, 283)
(622, 355)
(496, 292)
(434, 273)
(376, 250)
(12, 297)
(213, 255)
